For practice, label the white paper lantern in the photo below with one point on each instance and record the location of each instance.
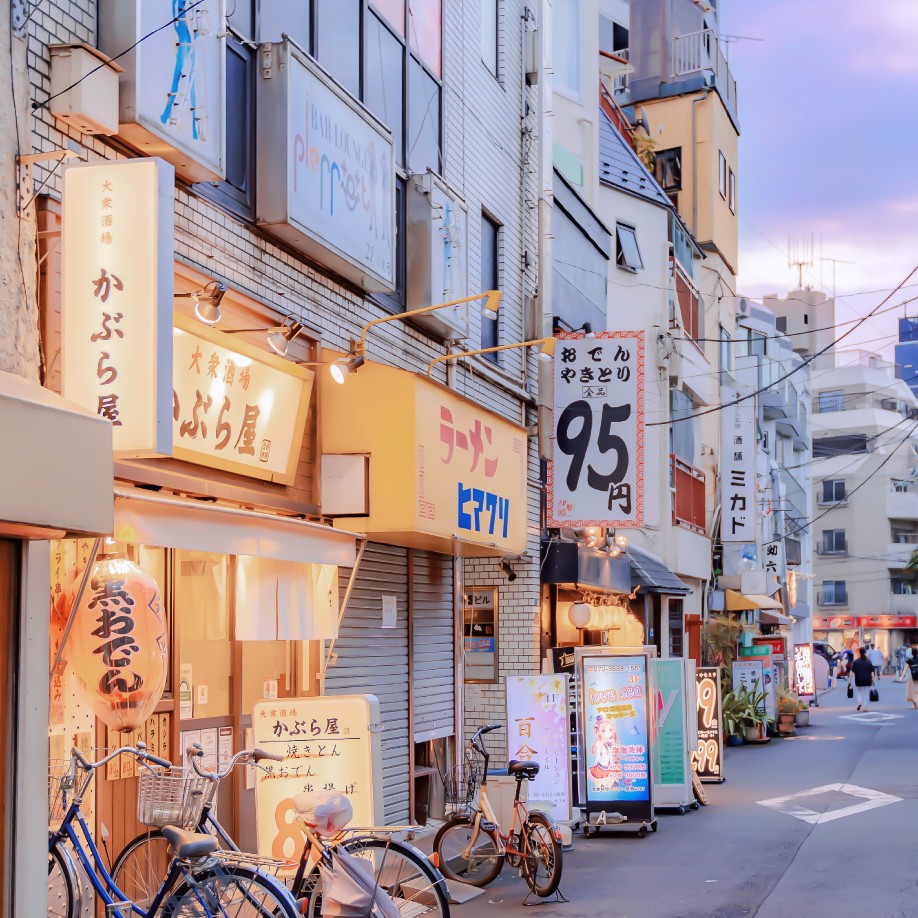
(579, 614)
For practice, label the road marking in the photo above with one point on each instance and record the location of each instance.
(813, 738)
(871, 800)
(872, 717)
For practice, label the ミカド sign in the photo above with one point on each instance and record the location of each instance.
(804, 682)
(596, 476)
(738, 465)
(708, 758)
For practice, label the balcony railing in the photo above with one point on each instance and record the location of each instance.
(851, 401)
(699, 51)
(688, 495)
(614, 70)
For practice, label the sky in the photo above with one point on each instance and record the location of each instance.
(828, 150)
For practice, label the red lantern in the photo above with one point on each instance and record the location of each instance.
(117, 647)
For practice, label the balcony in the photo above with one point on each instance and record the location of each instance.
(688, 495)
(903, 603)
(829, 402)
(899, 551)
(614, 71)
(699, 53)
(902, 505)
(794, 492)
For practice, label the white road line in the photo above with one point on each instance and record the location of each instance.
(871, 799)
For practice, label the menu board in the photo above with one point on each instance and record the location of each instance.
(804, 683)
(708, 759)
(669, 753)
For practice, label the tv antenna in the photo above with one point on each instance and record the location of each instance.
(800, 256)
(729, 39)
(836, 261)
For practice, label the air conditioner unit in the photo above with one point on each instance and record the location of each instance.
(889, 404)
(675, 367)
(742, 307)
(437, 246)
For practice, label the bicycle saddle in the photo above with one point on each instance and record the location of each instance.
(521, 770)
(189, 844)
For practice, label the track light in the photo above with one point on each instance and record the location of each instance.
(207, 301)
(507, 570)
(341, 368)
(279, 339)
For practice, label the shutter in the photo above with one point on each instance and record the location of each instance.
(432, 638)
(374, 660)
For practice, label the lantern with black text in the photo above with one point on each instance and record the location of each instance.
(117, 647)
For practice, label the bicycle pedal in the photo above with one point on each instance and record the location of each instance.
(488, 826)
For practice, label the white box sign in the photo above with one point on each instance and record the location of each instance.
(737, 468)
(596, 477)
(117, 290)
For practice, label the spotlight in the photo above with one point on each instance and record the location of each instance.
(341, 368)
(507, 570)
(279, 340)
(207, 302)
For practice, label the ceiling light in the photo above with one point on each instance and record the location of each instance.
(279, 339)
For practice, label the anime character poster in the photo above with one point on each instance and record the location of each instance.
(614, 724)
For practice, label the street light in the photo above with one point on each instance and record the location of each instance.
(547, 346)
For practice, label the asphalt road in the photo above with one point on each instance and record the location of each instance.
(817, 855)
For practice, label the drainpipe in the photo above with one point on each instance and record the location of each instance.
(701, 98)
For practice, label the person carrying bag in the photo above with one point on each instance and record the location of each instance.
(911, 681)
(863, 672)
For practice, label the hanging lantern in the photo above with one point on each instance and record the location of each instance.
(579, 614)
(117, 647)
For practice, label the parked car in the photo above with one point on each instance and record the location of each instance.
(827, 652)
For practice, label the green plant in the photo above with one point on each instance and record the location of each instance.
(788, 702)
(738, 710)
(718, 637)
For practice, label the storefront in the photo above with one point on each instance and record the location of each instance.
(888, 632)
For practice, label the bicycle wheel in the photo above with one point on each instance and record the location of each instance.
(543, 861)
(141, 867)
(478, 866)
(230, 889)
(62, 893)
(413, 884)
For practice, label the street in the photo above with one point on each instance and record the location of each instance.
(813, 855)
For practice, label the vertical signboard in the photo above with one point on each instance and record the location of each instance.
(708, 759)
(537, 730)
(596, 476)
(737, 470)
(116, 290)
(670, 754)
(615, 770)
(328, 743)
(804, 683)
(750, 674)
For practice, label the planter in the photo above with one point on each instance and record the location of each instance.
(755, 734)
(786, 723)
(734, 739)
(803, 718)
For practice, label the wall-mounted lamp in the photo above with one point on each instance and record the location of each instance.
(207, 301)
(340, 369)
(279, 339)
(547, 346)
(507, 570)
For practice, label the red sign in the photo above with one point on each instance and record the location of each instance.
(775, 643)
(866, 621)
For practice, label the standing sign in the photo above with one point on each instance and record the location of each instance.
(615, 770)
(737, 472)
(329, 743)
(537, 730)
(750, 674)
(708, 759)
(804, 683)
(116, 290)
(671, 768)
(596, 476)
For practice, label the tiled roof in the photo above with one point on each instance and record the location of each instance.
(619, 166)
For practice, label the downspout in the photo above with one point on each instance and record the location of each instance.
(701, 98)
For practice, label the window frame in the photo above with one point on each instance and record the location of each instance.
(731, 190)
(725, 350)
(488, 219)
(620, 256)
(722, 177)
(664, 158)
(834, 537)
(830, 397)
(497, 4)
(833, 484)
(839, 593)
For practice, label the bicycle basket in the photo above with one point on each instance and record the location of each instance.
(59, 780)
(171, 797)
(461, 786)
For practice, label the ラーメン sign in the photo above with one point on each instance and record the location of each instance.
(596, 476)
(236, 407)
(708, 759)
(116, 290)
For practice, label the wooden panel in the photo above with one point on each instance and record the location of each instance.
(9, 615)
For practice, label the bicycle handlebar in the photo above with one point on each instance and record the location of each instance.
(140, 751)
(196, 752)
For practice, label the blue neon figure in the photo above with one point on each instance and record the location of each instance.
(185, 65)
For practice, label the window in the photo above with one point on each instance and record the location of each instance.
(384, 79)
(900, 487)
(675, 627)
(725, 350)
(490, 32)
(682, 434)
(627, 253)
(667, 169)
(490, 280)
(848, 444)
(757, 343)
(833, 491)
(723, 176)
(834, 542)
(830, 401)
(336, 43)
(566, 45)
(902, 587)
(834, 593)
(732, 191)
(613, 38)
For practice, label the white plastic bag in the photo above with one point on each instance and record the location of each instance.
(327, 812)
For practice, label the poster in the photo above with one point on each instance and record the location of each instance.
(750, 673)
(596, 476)
(804, 683)
(186, 703)
(614, 730)
(538, 730)
(738, 450)
(669, 751)
(708, 758)
(328, 743)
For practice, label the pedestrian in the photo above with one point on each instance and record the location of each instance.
(875, 655)
(862, 670)
(911, 684)
(901, 667)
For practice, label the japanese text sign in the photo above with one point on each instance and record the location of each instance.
(750, 674)
(538, 729)
(670, 755)
(804, 683)
(708, 759)
(737, 467)
(596, 476)
(117, 290)
(328, 743)
(615, 737)
(237, 407)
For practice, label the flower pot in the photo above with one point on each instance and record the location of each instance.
(734, 739)
(803, 718)
(786, 722)
(756, 733)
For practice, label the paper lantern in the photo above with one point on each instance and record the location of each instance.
(117, 647)
(579, 614)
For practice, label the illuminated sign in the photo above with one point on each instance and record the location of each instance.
(328, 743)
(117, 285)
(804, 683)
(670, 757)
(866, 621)
(708, 758)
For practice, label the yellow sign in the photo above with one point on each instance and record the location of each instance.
(445, 474)
(236, 407)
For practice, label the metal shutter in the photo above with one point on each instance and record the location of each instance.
(432, 640)
(374, 660)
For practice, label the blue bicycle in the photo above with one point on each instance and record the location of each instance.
(200, 881)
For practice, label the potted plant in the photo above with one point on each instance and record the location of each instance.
(733, 711)
(788, 704)
(755, 722)
(802, 714)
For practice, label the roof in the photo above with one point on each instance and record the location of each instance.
(620, 167)
(653, 575)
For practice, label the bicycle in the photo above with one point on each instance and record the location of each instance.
(143, 860)
(472, 848)
(199, 880)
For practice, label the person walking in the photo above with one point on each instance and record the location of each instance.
(863, 671)
(901, 667)
(911, 681)
(875, 655)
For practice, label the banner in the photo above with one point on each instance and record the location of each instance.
(737, 468)
(596, 476)
(537, 730)
(804, 683)
(708, 759)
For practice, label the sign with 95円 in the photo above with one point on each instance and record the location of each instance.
(708, 758)
(596, 476)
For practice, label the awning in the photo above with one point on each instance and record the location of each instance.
(742, 602)
(653, 575)
(56, 467)
(148, 519)
(770, 617)
(578, 567)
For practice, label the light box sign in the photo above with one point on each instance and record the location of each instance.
(669, 752)
(326, 170)
(236, 407)
(737, 471)
(614, 741)
(596, 476)
(328, 743)
(804, 683)
(538, 725)
(117, 287)
(172, 90)
(708, 759)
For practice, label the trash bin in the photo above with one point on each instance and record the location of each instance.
(501, 790)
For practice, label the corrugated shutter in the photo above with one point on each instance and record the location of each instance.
(432, 677)
(374, 660)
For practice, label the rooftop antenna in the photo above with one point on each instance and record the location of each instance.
(836, 261)
(800, 256)
(729, 39)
